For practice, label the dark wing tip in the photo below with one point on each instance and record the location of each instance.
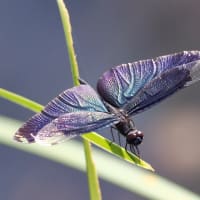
(23, 137)
(26, 133)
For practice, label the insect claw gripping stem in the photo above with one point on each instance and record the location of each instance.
(82, 82)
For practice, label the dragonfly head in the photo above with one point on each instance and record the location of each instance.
(134, 137)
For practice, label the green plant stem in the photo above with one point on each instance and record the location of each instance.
(115, 149)
(94, 190)
(22, 101)
(69, 40)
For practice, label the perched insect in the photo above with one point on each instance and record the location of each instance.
(123, 91)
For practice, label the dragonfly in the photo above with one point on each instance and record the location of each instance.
(122, 92)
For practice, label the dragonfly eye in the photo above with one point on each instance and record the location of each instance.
(135, 137)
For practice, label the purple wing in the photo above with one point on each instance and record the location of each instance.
(76, 99)
(69, 125)
(119, 85)
(159, 88)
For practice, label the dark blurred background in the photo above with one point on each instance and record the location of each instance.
(34, 63)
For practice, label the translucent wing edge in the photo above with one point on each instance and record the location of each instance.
(194, 68)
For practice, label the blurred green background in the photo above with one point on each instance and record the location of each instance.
(34, 63)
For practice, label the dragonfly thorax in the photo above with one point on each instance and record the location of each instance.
(127, 128)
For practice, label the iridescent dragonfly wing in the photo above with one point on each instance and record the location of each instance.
(76, 99)
(69, 125)
(162, 86)
(119, 85)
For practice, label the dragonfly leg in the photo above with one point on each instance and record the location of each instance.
(111, 130)
(126, 147)
(119, 138)
(135, 150)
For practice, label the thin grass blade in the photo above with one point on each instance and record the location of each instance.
(20, 100)
(94, 189)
